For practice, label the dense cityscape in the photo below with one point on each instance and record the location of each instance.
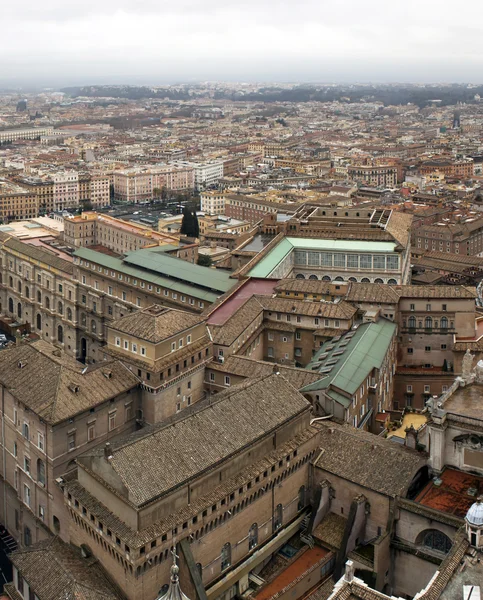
(241, 348)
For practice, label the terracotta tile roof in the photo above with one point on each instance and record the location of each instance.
(52, 384)
(367, 460)
(36, 253)
(186, 512)
(372, 292)
(156, 323)
(55, 571)
(235, 325)
(328, 310)
(247, 367)
(150, 466)
(331, 530)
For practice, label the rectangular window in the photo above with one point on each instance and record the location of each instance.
(109, 290)
(227, 380)
(138, 301)
(212, 377)
(71, 441)
(112, 421)
(173, 346)
(118, 342)
(91, 432)
(180, 343)
(427, 348)
(444, 307)
(427, 389)
(128, 412)
(428, 307)
(409, 388)
(298, 335)
(410, 350)
(135, 348)
(143, 351)
(126, 345)
(26, 494)
(40, 440)
(26, 464)
(412, 307)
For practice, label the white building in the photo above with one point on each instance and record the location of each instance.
(66, 189)
(213, 203)
(205, 173)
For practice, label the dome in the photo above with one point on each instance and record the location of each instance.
(475, 514)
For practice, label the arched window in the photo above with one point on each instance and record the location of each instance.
(313, 277)
(83, 319)
(326, 278)
(300, 276)
(27, 291)
(435, 540)
(428, 323)
(39, 297)
(253, 536)
(301, 503)
(444, 323)
(47, 302)
(278, 517)
(365, 280)
(412, 322)
(60, 334)
(339, 279)
(353, 279)
(226, 556)
(10, 305)
(69, 314)
(19, 310)
(26, 431)
(40, 471)
(39, 322)
(93, 326)
(392, 282)
(60, 308)
(378, 280)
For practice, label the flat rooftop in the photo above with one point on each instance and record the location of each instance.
(466, 401)
(452, 495)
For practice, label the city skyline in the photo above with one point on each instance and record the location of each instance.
(160, 43)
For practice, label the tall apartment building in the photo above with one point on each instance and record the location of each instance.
(461, 169)
(465, 237)
(17, 203)
(213, 203)
(138, 184)
(374, 175)
(206, 173)
(66, 189)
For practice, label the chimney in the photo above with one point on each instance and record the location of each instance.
(276, 369)
(107, 451)
(349, 571)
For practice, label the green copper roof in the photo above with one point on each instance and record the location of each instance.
(275, 256)
(171, 273)
(344, 363)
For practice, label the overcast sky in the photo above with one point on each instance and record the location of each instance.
(62, 42)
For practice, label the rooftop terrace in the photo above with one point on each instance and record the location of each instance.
(453, 492)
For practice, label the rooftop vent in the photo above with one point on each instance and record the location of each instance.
(107, 374)
(74, 388)
(437, 482)
(21, 364)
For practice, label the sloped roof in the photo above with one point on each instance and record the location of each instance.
(366, 459)
(346, 362)
(155, 323)
(52, 384)
(56, 571)
(149, 466)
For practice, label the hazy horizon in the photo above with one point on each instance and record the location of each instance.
(158, 42)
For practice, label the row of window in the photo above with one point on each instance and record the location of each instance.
(429, 323)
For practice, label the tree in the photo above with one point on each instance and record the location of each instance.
(204, 260)
(189, 225)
